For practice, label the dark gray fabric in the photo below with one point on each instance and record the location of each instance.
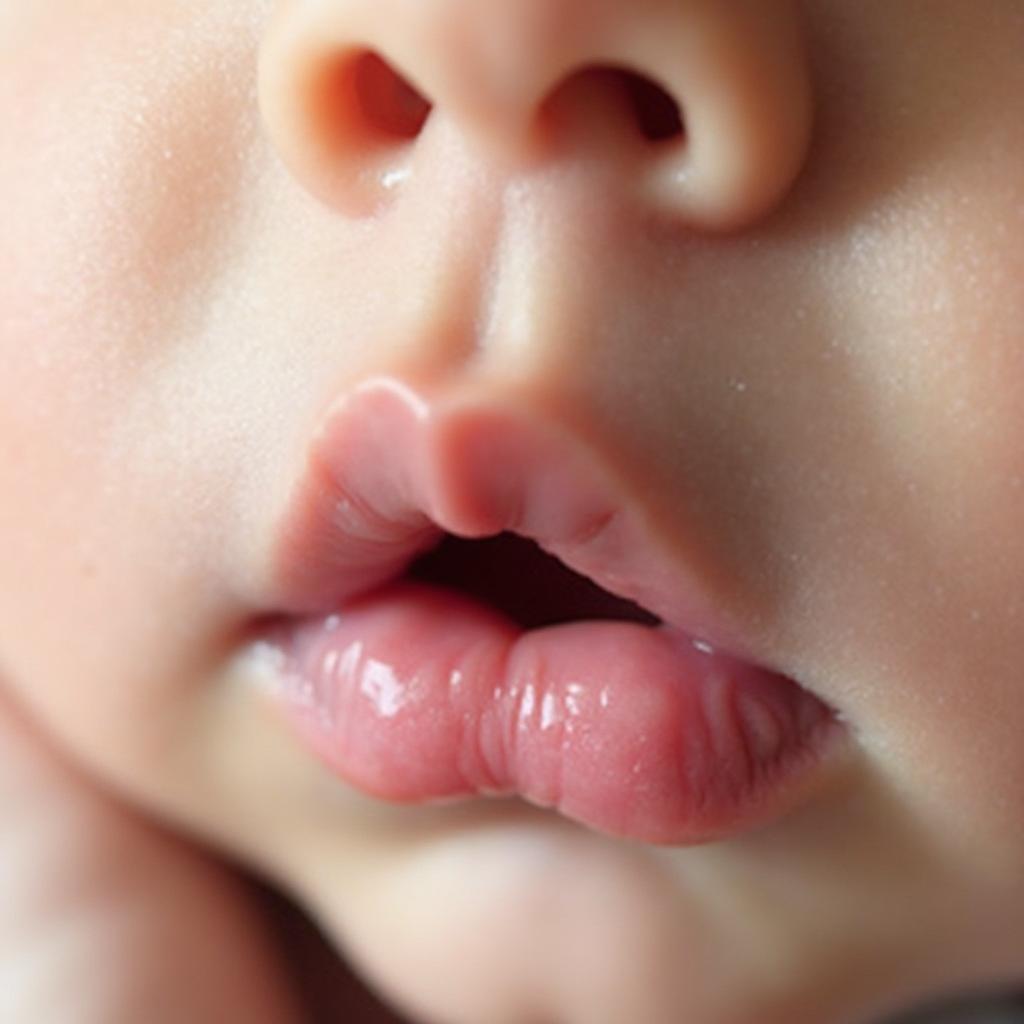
(1007, 1010)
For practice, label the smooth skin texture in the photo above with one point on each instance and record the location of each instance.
(815, 374)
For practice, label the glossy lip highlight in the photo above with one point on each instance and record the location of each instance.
(414, 693)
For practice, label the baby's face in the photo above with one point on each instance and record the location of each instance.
(267, 329)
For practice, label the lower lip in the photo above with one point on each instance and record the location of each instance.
(414, 693)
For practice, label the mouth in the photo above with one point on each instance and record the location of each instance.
(516, 578)
(475, 606)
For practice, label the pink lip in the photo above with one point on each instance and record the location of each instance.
(413, 693)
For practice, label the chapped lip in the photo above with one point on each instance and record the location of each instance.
(390, 472)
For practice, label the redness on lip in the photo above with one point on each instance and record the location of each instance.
(414, 692)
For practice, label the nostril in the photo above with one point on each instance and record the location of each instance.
(657, 113)
(599, 93)
(701, 111)
(364, 100)
(387, 102)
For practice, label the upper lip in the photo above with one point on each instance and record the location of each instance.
(391, 470)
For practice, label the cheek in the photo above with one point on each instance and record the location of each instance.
(120, 189)
(110, 616)
(915, 605)
(974, 416)
(117, 189)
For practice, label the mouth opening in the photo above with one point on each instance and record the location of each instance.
(516, 577)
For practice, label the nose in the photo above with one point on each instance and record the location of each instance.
(703, 106)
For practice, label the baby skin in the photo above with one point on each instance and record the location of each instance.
(720, 303)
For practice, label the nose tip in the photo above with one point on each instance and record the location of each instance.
(705, 106)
